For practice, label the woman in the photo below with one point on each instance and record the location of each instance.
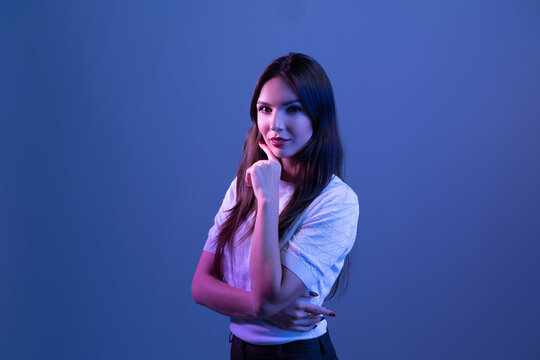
(287, 222)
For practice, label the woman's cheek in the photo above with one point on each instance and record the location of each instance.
(260, 126)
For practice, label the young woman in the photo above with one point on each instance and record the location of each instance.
(287, 221)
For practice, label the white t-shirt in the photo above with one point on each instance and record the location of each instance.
(315, 253)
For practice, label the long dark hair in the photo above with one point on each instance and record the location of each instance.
(320, 158)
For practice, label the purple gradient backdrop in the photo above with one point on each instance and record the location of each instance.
(121, 127)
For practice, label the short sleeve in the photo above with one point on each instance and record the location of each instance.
(228, 203)
(316, 252)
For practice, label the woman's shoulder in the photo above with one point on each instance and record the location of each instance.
(232, 186)
(338, 190)
(336, 195)
(229, 199)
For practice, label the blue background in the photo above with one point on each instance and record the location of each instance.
(122, 124)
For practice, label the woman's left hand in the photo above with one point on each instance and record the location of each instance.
(300, 316)
(263, 176)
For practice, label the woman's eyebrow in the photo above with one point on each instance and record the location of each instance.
(284, 104)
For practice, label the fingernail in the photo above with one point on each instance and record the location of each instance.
(313, 293)
(332, 314)
(260, 142)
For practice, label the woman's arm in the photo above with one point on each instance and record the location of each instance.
(213, 293)
(274, 286)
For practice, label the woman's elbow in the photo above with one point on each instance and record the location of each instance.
(264, 308)
(196, 291)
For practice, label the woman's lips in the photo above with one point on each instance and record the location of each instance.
(278, 142)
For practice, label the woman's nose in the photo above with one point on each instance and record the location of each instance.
(276, 123)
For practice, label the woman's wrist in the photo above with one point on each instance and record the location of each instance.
(267, 203)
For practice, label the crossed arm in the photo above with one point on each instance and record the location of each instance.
(276, 291)
(215, 294)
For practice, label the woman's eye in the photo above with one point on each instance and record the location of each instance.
(264, 109)
(294, 109)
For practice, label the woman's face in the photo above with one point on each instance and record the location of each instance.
(281, 119)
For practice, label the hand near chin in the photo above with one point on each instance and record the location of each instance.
(263, 176)
(300, 316)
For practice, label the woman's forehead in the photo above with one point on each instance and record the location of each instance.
(277, 92)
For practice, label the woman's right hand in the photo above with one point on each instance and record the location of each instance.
(263, 176)
(300, 316)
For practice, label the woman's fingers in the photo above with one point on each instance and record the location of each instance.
(316, 309)
(307, 324)
(253, 173)
(300, 316)
(263, 176)
(268, 152)
(305, 327)
(308, 321)
(309, 294)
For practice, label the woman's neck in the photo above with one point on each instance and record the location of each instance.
(289, 170)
